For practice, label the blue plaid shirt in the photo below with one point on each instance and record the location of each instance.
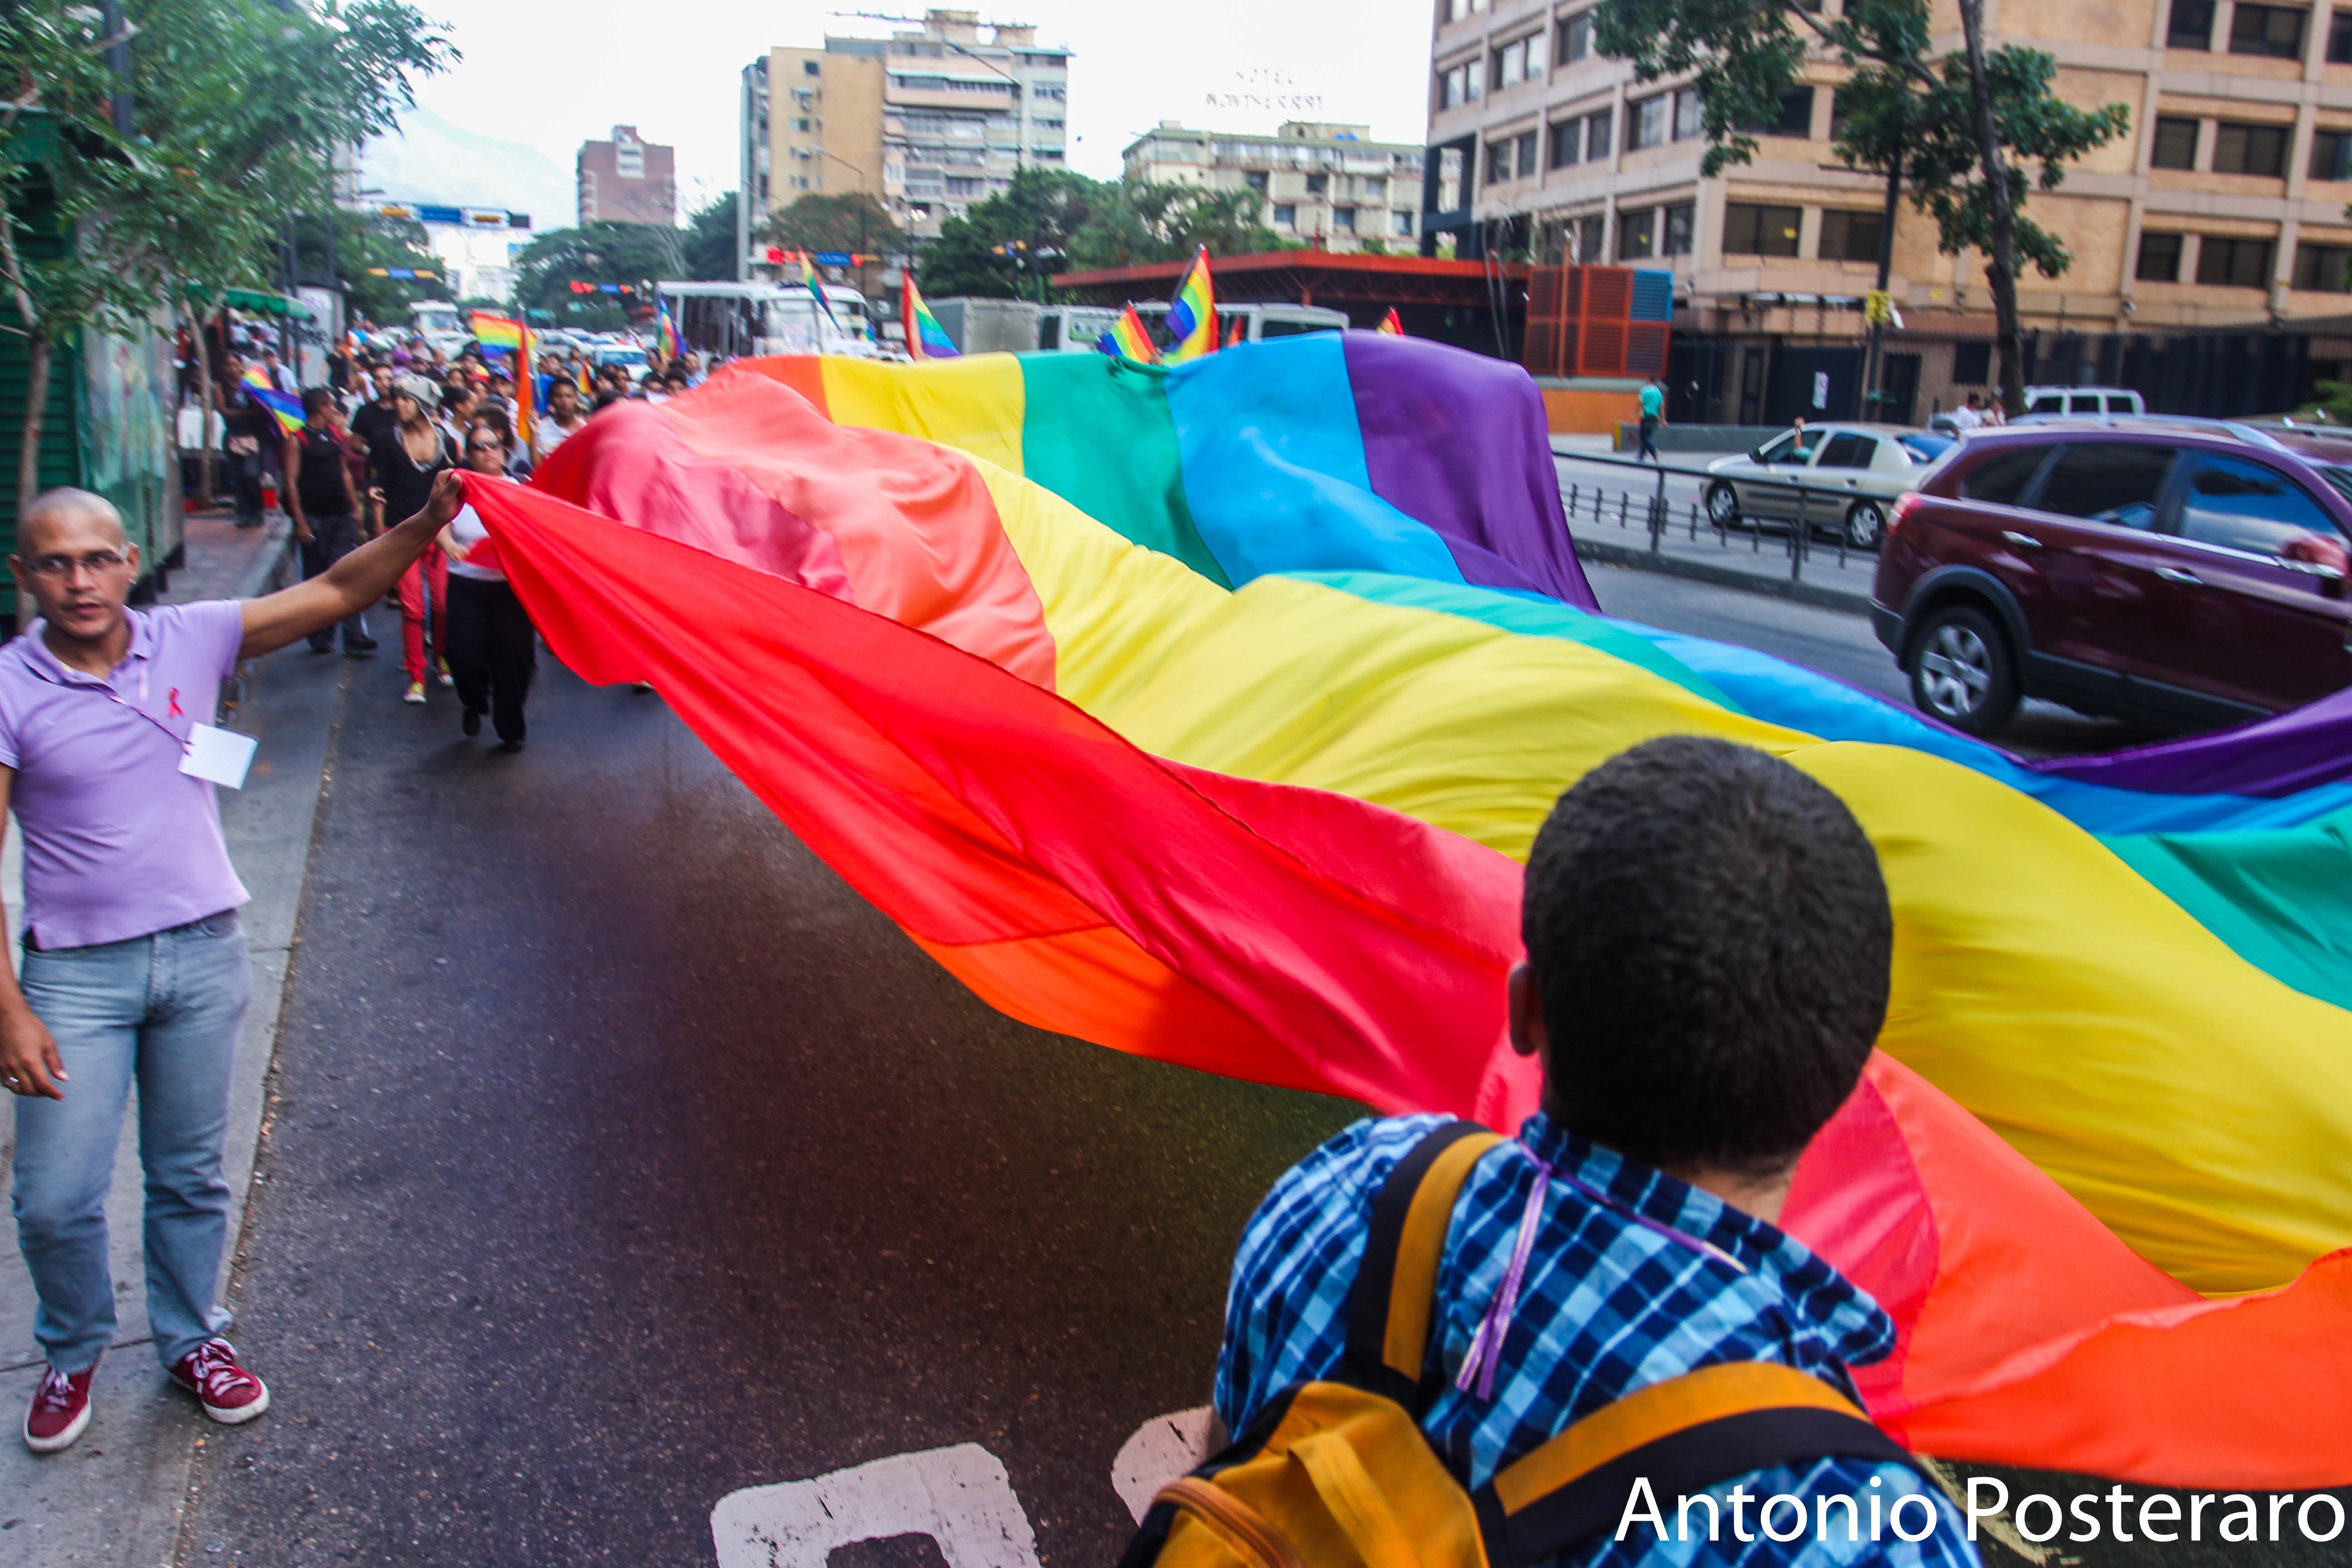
(1608, 1305)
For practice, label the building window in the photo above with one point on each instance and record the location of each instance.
(1588, 231)
(2159, 258)
(2273, 30)
(1404, 222)
(1527, 158)
(808, 68)
(965, 187)
(1317, 184)
(2331, 155)
(1751, 229)
(1794, 117)
(1597, 134)
(2322, 268)
(1457, 9)
(1650, 118)
(1343, 220)
(1567, 143)
(2250, 148)
(1576, 38)
(1498, 160)
(1971, 364)
(1681, 224)
(1637, 234)
(1851, 236)
(2340, 37)
(2176, 143)
(1521, 59)
(2191, 24)
(1256, 180)
(800, 122)
(1286, 214)
(1688, 119)
(2234, 263)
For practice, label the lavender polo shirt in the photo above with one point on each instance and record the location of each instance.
(119, 843)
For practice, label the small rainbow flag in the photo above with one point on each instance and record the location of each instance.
(926, 338)
(808, 276)
(1128, 339)
(1392, 325)
(1235, 332)
(667, 325)
(1192, 314)
(286, 408)
(497, 332)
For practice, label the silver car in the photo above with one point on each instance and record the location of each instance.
(1852, 474)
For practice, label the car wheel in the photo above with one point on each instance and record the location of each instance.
(1962, 671)
(1722, 505)
(1865, 522)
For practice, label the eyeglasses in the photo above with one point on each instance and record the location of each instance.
(481, 445)
(62, 566)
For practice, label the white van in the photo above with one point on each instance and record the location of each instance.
(1077, 329)
(2080, 400)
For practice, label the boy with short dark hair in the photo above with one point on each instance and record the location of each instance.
(1709, 948)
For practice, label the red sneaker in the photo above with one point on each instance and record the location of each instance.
(229, 1393)
(59, 1411)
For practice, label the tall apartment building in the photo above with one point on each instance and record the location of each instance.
(1330, 186)
(928, 121)
(628, 180)
(2225, 204)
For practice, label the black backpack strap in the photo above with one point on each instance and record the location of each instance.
(1390, 1308)
(1683, 1435)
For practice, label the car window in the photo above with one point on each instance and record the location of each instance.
(1924, 449)
(1847, 450)
(1796, 446)
(1049, 333)
(2084, 403)
(2120, 402)
(2247, 506)
(2002, 479)
(1273, 327)
(2106, 481)
(2049, 404)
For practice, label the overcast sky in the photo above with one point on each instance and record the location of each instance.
(554, 76)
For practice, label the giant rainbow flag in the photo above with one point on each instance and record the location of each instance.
(1206, 713)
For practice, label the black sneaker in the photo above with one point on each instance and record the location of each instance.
(360, 647)
(471, 723)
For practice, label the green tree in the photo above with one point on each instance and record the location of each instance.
(1958, 131)
(709, 248)
(1003, 248)
(1139, 222)
(630, 253)
(235, 108)
(853, 222)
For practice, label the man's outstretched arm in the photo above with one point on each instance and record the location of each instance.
(352, 583)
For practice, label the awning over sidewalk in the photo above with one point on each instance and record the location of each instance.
(255, 300)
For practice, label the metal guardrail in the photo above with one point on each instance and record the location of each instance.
(1657, 515)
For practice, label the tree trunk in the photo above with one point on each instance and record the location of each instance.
(207, 454)
(38, 354)
(2001, 271)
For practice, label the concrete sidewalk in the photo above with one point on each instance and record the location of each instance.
(117, 1497)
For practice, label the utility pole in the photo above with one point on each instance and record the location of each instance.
(1874, 362)
(118, 60)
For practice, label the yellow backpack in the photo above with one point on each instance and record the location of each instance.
(1337, 1473)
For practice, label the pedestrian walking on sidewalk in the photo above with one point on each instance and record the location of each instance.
(403, 462)
(493, 648)
(325, 506)
(134, 969)
(245, 426)
(1653, 414)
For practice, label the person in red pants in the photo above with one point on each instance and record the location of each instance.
(403, 460)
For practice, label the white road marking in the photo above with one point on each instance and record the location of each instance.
(959, 1496)
(1162, 1448)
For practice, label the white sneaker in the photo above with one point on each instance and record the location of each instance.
(415, 693)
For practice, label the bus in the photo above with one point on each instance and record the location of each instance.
(729, 320)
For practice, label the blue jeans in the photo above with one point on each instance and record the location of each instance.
(165, 1009)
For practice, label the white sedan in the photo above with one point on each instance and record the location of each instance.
(1852, 475)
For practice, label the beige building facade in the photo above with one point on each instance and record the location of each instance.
(928, 122)
(1330, 186)
(627, 180)
(2224, 205)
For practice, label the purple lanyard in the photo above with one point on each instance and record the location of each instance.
(1486, 1345)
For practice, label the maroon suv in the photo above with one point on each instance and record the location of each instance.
(2193, 569)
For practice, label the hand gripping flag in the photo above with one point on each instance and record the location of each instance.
(1192, 314)
(1129, 338)
(1391, 324)
(926, 338)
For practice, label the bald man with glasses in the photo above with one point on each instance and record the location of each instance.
(134, 967)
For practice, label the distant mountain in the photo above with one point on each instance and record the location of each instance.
(431, 160)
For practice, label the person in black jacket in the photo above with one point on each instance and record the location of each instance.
(325, 506)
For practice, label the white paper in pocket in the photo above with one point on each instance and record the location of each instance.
(218, 756)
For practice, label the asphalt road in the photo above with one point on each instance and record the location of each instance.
(619, 1157)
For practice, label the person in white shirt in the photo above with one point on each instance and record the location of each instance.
(563, 416)
(493, 649)
(1970, 415)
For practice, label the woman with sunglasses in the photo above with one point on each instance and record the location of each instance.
(493, 648)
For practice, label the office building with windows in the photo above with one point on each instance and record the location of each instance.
(2224, 205)
(928, 121)
(627, 180)
(1329, 186)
